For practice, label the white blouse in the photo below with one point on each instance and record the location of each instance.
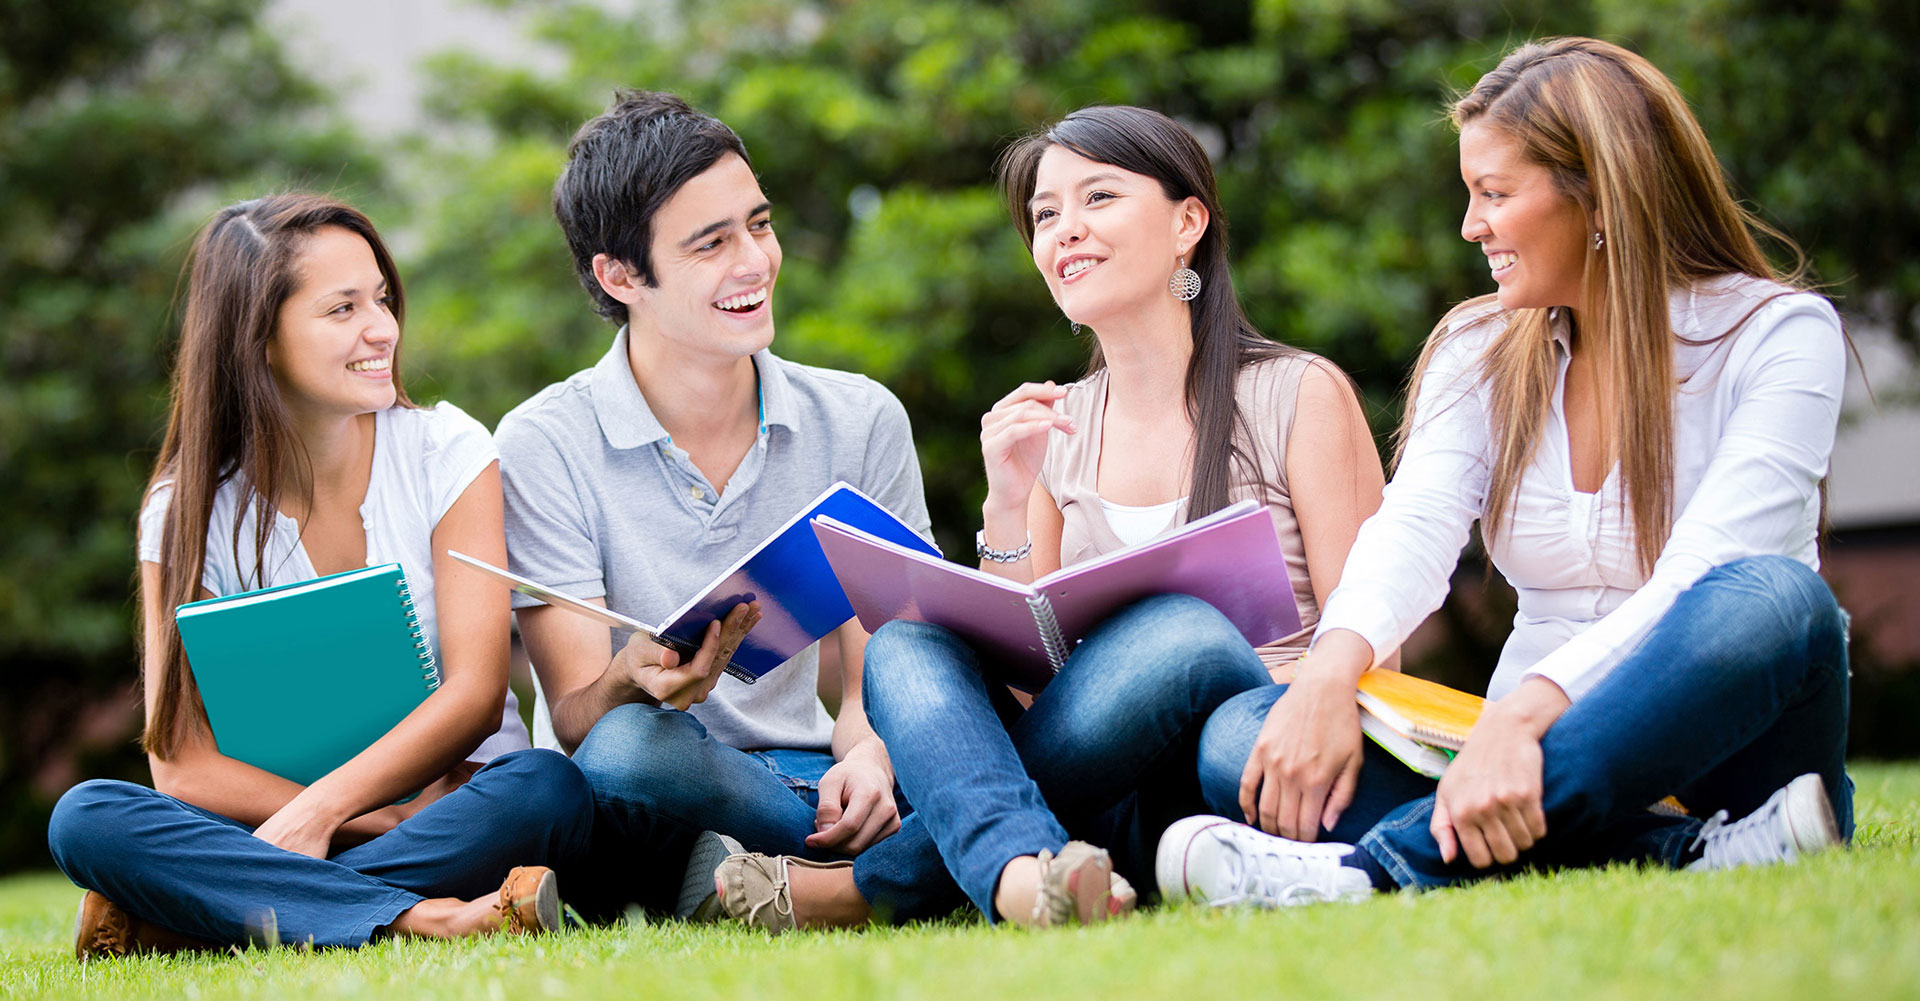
(422, 461)
(1754, 419)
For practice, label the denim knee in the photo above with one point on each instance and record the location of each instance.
(546, 783)
(1795, 595)
(88, 818)
(896, 659)
(638, 749)
(1227, 741)
(1210, 661)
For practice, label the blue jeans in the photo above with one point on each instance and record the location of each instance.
(1106, 752)
(659, 779)
(1739, 688)
(206, 876)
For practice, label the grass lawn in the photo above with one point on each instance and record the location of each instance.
(1844, 925)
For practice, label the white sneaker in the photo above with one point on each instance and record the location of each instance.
(1796, 820)
(1219, 862)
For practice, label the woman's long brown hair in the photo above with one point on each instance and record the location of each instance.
(1617, 138)
(226, 419)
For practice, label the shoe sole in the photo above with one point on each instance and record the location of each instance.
(1170, 858)
(1091, 886)
(1807, 799)
(698, 900)
(546, 902)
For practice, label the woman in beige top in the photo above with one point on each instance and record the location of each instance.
(1119, 207)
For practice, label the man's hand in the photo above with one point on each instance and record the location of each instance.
(1488, 806)
(856, 801)
(660, 673)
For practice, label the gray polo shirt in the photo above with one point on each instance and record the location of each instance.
(601, 503)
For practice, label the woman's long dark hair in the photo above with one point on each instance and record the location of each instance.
(226, 418)
(1224, 341)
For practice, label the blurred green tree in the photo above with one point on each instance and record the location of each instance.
(121, 124)
(874, 125)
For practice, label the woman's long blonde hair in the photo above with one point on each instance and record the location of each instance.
(1617, 138)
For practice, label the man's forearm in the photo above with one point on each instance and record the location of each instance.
(575, 714)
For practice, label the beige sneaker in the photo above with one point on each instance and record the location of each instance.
(753, 889)
(102, 928)
(1079, 884)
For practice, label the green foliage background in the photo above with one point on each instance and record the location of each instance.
(873, 126)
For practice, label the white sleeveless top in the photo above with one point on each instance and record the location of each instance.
(422, 461)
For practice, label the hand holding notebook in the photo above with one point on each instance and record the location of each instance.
(800, 601)
(298, 679)
(1230, 559)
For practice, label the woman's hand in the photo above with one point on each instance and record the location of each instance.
(1306, 761)
(1488, 806)
(660, 672)
(1013, 441)
(304, 826)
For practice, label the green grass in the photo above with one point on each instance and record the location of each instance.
(1841, 925)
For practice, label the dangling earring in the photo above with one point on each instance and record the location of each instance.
(1598, 240)
(1185, 283)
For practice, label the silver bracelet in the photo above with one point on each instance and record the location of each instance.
(993, 555)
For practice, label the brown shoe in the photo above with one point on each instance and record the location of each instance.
(1079, 884)
(753, 889)
(102, 928)
(529, 901)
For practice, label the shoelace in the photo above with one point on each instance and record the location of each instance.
(781, 894)
(113, 935)
(1282, 877)
(1751, 840)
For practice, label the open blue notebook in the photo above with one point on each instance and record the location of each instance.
(297, 679)
(800, 598)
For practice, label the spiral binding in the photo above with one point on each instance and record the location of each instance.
(430, 671)
(1050, 635)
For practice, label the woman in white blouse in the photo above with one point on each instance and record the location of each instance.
(292, 452)
(1640, 419)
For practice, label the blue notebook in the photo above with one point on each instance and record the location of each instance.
(800, 598)
(297, 679)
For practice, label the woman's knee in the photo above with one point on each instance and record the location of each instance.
(1179, 640)
(905, 662)
(546, 782)
(1796, 595)
(87, 817)
(1227, 739)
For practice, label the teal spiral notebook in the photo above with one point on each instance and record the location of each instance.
(297, 679)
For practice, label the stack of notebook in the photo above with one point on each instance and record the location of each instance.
(1422, 723)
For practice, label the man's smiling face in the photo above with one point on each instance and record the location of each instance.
(714, 258)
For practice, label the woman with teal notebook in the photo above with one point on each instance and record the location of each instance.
(293, 453)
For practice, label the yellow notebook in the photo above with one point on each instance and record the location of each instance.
(1426, 712)
(1419, 709)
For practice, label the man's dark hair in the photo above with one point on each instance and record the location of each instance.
(621, 167)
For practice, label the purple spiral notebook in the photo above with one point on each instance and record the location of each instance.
(1230, 559)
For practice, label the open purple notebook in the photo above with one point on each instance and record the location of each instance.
(1230, 559)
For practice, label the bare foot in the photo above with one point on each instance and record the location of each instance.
(826, 898)
(449, 917)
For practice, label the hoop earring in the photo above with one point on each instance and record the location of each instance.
(1598, 240)
(1185, 283)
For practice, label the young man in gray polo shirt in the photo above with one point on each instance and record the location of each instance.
(636, 481)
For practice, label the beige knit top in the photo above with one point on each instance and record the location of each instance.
(1266, 393)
